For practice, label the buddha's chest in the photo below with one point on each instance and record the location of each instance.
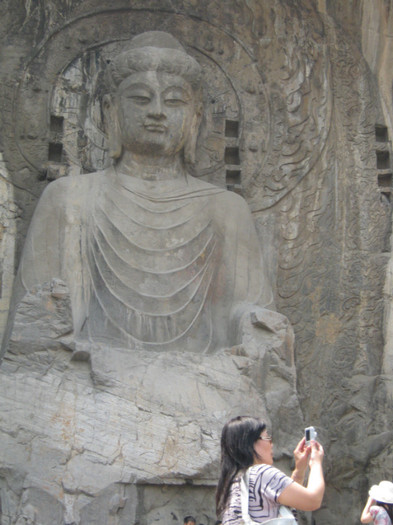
(153, 247)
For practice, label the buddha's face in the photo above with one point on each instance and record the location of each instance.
(155, 111)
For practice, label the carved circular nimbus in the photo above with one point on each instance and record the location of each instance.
(77, 99)
(259, 136)
(235, 112)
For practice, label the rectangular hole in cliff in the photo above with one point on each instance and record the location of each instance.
(232, 156)
(55, 151)
(56, 124)
(386, 198)
(383, 161)
(233, 180)
(231, 128)
(385, 180)
(381, 133)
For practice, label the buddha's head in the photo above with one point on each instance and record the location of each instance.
(154, 104)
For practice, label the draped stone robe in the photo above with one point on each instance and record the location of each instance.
(149, 264)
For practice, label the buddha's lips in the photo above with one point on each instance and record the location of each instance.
(158, 128)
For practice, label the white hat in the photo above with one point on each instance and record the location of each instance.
(382, 492)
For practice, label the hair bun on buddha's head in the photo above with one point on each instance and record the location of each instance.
(153, 51)
(156, 39)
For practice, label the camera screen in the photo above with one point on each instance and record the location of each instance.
(307, 434)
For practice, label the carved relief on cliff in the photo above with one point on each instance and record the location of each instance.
(291, 122)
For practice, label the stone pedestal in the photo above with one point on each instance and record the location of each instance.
(95, 435)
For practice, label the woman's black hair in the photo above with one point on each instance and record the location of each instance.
(388, 507)
(237, 452)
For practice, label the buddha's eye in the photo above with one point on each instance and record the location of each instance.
(138, 96)
(140, 99)
(176, 97)
(174, 102)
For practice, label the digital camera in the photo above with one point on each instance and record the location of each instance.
(310, 433)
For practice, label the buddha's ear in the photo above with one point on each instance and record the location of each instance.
(112, 126)
(191, 142)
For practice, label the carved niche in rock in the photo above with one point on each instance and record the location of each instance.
(142, 314)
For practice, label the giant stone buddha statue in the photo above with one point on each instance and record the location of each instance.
(156, 279)
(153, 257)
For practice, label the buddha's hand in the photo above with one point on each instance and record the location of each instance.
(259, 330)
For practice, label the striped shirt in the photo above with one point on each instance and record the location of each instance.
(265, 485)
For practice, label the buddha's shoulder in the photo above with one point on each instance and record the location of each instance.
(76, 186)
(221, 195)
(231, 201)
(232, 198)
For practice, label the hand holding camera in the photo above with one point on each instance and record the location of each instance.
(317, 452)
(307, 452)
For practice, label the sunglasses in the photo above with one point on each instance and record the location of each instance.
(266, 438)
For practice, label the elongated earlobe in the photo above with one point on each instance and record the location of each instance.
(112, 127)
(191, 143)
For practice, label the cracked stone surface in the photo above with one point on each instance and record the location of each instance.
(298, 120)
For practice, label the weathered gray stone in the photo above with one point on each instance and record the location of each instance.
(156, 279)
(130, 417)
(298, 118)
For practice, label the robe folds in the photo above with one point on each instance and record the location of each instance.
(148, 264)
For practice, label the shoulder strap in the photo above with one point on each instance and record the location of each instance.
(244, 488)
(284, 512)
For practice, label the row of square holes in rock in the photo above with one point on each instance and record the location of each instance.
(383, 162)
(231, 153)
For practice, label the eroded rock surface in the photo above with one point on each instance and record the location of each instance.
(297, 118)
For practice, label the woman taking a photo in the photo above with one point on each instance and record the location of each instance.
(247, 450)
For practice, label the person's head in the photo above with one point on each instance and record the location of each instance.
(244, 442)
(154, 102)
(189, 520)
(383, 495)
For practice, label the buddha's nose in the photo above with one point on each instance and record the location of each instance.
(156, 109)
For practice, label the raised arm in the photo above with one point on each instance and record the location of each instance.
(310, 497)
(366, 516)
(301, 454)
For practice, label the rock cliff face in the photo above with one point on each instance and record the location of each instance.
(297, 120)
